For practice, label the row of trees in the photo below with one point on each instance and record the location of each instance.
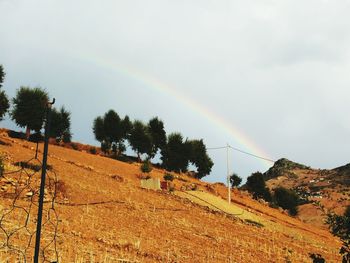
(114, 132)
(29, 108)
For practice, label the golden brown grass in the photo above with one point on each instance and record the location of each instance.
(103, 219)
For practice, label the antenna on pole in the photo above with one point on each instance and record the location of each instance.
(228, 174)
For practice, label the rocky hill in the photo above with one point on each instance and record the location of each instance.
(322, 191)
(97, 211)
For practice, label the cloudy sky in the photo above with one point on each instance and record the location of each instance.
(268, 77)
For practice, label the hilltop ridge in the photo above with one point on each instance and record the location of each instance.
(282, 167)
(321, 191)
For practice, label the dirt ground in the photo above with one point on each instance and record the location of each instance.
(103, 215)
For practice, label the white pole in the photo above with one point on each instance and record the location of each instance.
(228, 176)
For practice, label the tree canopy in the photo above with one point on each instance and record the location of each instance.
(257, 186)
(140, 140)
(4, 102)
(176, 153)
(150, 139)
(287, 199)
(199, 157)
(111, 131)
(60, 125)
(157, 133)
(29, 107)
(235, 180)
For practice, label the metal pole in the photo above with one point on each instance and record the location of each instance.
(42, 184)
(228, 175)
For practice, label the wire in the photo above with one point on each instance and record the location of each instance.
(241, 151)
(251, 154)
(217, 148)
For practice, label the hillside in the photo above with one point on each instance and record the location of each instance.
(105, 216)
(322, 191)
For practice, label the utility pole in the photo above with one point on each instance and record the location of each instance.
(42, 184)
(228, 174)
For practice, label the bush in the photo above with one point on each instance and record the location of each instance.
(74, 146)
(317, 258)
(168, 177)
(92, 150)
(146, 167)
(256, 185)
(287, 199)
(340, 227)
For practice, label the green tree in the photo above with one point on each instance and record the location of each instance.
(200, 158)
(98, 129)
(29, 107)
(235, 180)
(111, 131)
(126, 126)
(287, 199)
(176, 153)
(257, 186)
(156, 130)
(146, 167)
(4, 102)
(140, 140)
(2, 75)
(60, 125)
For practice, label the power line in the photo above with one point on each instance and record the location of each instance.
(251, 154)
(241, 151)
(217, 148)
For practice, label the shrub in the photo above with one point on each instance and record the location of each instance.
(61, 188)
(146, 167)
(256, 185)
(92, 150)
(340, 227)
(317, 258)
(74, 146)
(287, 199)
(168, 177)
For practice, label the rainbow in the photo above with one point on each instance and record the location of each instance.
(157, 85)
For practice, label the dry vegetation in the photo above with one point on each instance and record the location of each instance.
(326, 190)
(104, 216)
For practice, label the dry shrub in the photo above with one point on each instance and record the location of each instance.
(61, 189)
(118, 178)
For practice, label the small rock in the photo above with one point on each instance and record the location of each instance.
(29, 194)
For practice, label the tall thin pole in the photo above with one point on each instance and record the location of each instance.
(228, 175)
(42, 184)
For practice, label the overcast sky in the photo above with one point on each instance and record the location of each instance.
(279, 71)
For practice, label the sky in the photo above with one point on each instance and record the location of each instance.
(267, 77)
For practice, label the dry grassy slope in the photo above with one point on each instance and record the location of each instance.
(328, 190)
(149, 226)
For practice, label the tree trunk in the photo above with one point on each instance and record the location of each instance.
(138, 157)
(27, 133)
